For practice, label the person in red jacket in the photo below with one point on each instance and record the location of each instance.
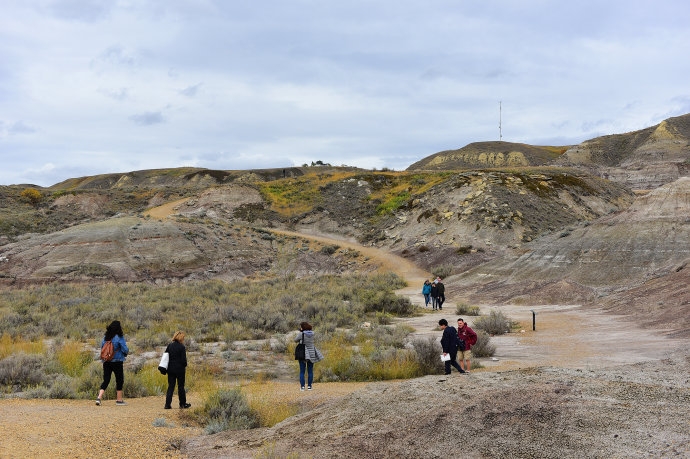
(468, 335)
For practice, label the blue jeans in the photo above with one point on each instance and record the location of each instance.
(309, 366)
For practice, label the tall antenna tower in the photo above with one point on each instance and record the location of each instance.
(500, 133)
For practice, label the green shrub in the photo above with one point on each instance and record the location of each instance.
(63, 387)
(227, 409)
(464, 309)
(21, 370)
(443, 271)
(427, 352)
(483, 346)
(496, 323)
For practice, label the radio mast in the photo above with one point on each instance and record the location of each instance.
(500, 133)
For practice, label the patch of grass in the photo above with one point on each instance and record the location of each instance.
(73, 358)
(373, 354)
(76, 316)
(9, 345)
(269, 404)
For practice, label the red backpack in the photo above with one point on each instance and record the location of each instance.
(107, 351)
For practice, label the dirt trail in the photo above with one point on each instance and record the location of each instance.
(165, 210)
(565, 335)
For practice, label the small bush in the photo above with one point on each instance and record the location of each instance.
(162, 422)
(329, 249)
(443, 271)
(63, 387)
(483, 347)
(427, 352)
(228, 410)
(496, 323)
(22, 370)
(464, 309)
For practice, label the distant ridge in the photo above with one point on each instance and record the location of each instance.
(488, 155)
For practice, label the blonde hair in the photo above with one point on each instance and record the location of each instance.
(178, 336)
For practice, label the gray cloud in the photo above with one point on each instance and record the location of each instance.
(20, 127)
(148, 118)
(190, 91)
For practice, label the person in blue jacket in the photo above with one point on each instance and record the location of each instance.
(116, 365)
(177, 366)
(426, 291)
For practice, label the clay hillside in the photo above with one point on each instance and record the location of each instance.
(539, 232)
(592, 239)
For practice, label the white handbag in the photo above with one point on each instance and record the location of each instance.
(163, 365)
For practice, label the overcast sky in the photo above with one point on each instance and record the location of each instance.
(90, 86)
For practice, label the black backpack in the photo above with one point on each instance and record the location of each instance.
(460, 343)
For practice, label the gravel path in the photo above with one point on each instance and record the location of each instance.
(80, 429)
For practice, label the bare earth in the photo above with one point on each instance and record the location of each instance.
(584, 383)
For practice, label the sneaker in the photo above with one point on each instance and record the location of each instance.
(98, 402)
(301, 388)
(167, 407)
(461, 371)
(185, 405)
(308, 387)
(120, 403)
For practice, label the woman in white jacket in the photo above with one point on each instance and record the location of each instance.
(311, 354)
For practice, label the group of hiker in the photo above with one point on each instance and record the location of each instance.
(434, 293)
(456, 343)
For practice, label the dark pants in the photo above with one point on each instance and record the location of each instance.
(181, 392)
(440, 300)
(113, 367)
(453, 361)
(309, 366)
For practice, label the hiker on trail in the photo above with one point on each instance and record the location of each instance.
(311, 354)
(176, 370)
(441, 296)
(434, 295)
(468, 335)
(115, 334)
(426, 291)
(449, 343)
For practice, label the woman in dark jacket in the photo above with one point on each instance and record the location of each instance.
(176, 370)
(115, 334)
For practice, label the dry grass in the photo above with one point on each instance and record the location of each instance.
(275, 401)
(9, 346)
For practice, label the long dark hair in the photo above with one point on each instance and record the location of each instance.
(113, 329)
